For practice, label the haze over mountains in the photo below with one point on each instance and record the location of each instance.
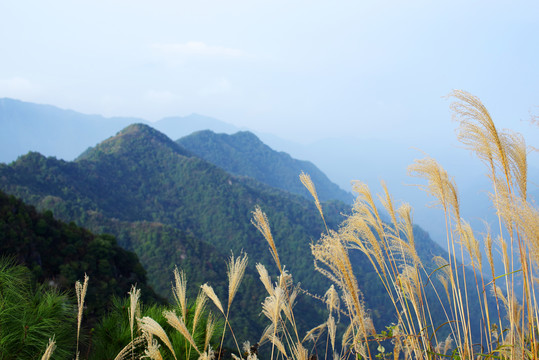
(172, 207)
(65, 134)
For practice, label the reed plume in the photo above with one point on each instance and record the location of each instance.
(49, 350)
(80, 290)
(152, 327)
(260, 221)
(178, 324)
(179, 290)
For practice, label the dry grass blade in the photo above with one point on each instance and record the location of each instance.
(179, 290)
(260, 221)
(179, 325)
(80, 290)
(199, 308)
(134, 296)
(208, 290)
(152, 350)
(152, 327)
(331, 297)
(265, 278)
(272, 305)
(50, 349)
(315, 333)
(207, 355)
(308, 183)
(478, 132)
(210, 329)
(128, 349)
(332, 329)
(278, 344)
(235, 271)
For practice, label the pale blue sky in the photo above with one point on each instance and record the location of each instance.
(302, 70)
(373, 72)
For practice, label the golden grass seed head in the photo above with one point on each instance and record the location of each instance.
(299, 352)
(210, 329)
(152, 350)
(127, 351)
(308, 183)
(49, 350)
(331, 297)
(153, 328)
(179, 290)
(260, 221)
(208, 290)
(207, 355)
(265, 278)
(315, 333)
(272, 305)
(200, 306)
(278, 344)
(134, 308)
(332, 329)
(235, 271)
(178, 324)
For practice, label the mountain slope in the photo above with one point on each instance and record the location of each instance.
(141, 180)
(164, 202)
(61, 254)
(244, 154)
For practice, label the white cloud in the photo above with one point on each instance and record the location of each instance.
(197, 48)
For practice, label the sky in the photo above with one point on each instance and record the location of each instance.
(371, 72)
(302, 70)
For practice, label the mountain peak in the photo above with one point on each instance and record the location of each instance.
(244, 154)
(133, 139)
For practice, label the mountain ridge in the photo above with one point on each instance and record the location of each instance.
(243, 153)
(139, 177)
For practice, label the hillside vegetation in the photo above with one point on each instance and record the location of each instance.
(244, 154)
(388, 298)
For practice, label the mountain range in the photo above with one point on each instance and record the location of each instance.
(180, 203)
(173, 208)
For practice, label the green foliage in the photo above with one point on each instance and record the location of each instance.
(113, 332)
(173, 208)
(60, 254)
(243, 154)
(30, 316)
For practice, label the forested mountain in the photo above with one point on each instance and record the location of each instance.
(174, 208)
(65, 134)
(60, 254)
(244, 154)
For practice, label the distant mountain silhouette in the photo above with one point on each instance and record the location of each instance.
(65, 134)
(50, 130)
